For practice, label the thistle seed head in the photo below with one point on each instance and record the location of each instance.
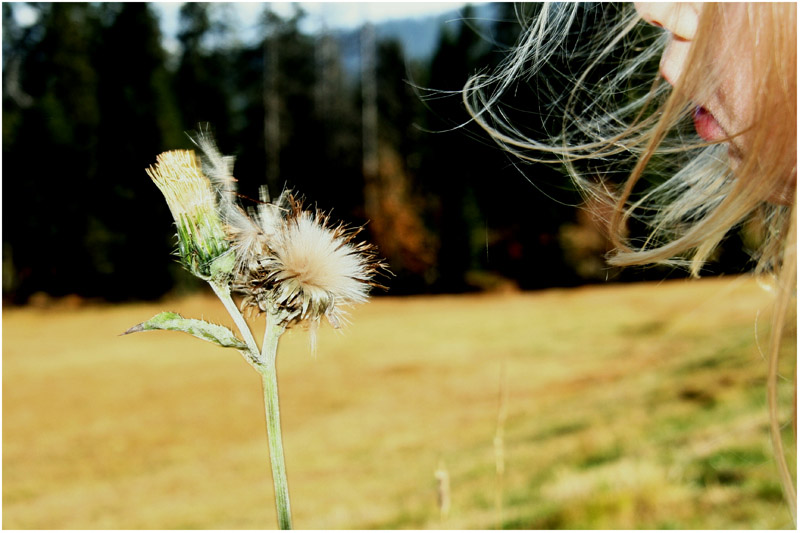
(285, 260)
(202, 243)
(250, 235)
(217, 167)
(304, 268)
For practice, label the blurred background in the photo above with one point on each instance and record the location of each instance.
(354, 105)
(459, 399)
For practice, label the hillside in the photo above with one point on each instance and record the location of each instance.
(637, 406)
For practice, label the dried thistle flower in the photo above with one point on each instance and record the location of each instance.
(290, 263)
(218, 168)
(299, 267)
(250, 235)
(202, 242)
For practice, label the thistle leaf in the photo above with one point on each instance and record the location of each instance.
(219, 335)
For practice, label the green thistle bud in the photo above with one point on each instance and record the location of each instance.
(202, 244)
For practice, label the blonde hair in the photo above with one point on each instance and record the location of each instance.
(617, 110)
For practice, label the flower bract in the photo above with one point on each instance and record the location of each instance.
(202, 241)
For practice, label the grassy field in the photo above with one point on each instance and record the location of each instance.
(639, 406)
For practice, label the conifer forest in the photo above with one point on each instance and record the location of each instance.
(352, 121)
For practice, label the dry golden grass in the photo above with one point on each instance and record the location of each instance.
(637, 406)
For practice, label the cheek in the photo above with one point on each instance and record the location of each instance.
(737, 96)
(737, 89)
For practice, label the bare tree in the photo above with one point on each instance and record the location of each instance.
(369, 121)
(272, 130)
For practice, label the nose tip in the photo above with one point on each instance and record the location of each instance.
(680, 19)
(649, 12)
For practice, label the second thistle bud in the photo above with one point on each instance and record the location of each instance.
(202, 244)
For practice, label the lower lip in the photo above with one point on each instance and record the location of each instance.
(707, 126)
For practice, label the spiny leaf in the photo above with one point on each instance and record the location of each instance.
(219, 335)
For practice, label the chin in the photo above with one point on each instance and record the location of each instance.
(787, 195)
(783, 192)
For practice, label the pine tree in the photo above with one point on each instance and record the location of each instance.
(50, 152)
(140, 120)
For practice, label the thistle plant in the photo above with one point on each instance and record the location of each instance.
(290, 264)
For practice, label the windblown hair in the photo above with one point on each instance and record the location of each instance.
(616, 110)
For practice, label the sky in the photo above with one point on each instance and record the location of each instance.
(348, 15)
(345, 15)
(333, 15)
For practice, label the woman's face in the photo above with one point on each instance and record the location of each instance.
(728, 110)
(728, 113)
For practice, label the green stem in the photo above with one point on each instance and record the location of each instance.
(270, 381)
(269, 375)
(223, 292)
(282, 504)
(265, 364)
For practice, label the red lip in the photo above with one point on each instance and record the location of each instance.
(707, 126)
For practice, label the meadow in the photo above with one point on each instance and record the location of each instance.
(618, 406)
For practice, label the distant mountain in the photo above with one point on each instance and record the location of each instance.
(418, 36)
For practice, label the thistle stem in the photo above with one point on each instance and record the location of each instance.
(224, 295)
(265, 364)
(269, 376)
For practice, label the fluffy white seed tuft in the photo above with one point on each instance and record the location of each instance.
(301, 269)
